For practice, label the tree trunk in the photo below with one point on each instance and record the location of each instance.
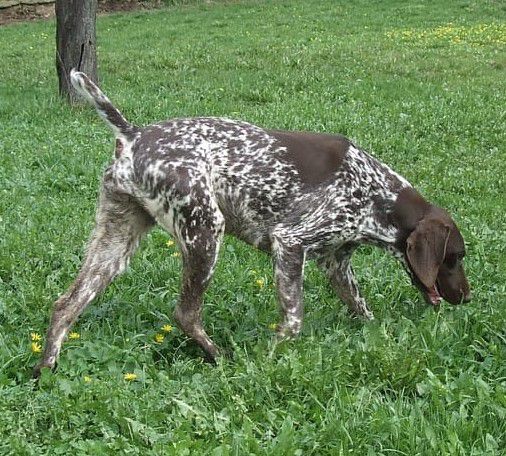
(75, 42)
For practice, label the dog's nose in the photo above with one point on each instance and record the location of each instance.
(467, 297)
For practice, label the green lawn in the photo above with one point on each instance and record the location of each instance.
(420, 84)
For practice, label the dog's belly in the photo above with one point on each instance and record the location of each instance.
(253, 211)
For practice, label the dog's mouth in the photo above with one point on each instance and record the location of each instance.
(433, 296)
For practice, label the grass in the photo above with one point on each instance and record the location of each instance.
(420, 84)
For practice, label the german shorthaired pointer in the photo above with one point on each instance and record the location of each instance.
(296, 195)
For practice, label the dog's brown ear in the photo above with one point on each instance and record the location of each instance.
(426, 248)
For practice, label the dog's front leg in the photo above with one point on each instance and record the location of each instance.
(339, 271)
(288, 275)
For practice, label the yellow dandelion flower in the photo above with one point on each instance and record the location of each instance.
(74, 336)
(87, 379)
(167, 328)
(35, 337)
(260, 283)
(36, 347)
(159, 338)
(130, 377)
(169, 243)
(273, 326)
(176, 254)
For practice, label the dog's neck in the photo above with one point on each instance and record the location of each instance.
(387, 196)
(394, 213)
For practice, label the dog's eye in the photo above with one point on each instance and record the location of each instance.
(451, 260)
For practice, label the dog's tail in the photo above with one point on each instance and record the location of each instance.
(112, 116)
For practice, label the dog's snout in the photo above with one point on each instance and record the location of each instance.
(466, 297)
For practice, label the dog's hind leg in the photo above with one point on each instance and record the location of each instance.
(199, 230)
(120, 224)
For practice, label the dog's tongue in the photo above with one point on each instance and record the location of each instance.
(434, 296)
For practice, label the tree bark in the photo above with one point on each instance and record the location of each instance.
(75, 42)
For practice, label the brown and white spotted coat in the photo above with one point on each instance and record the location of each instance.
(296, 195)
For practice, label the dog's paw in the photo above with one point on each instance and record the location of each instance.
(285, 332)
(369, 316)
(362, 312)
(37, 370)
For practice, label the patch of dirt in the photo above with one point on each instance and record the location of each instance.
(111, 6)
(21, 13)
(25, 13)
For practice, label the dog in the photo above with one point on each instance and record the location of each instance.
(295, 195)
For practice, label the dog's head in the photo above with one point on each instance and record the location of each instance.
(433, 249)
(434, 253)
